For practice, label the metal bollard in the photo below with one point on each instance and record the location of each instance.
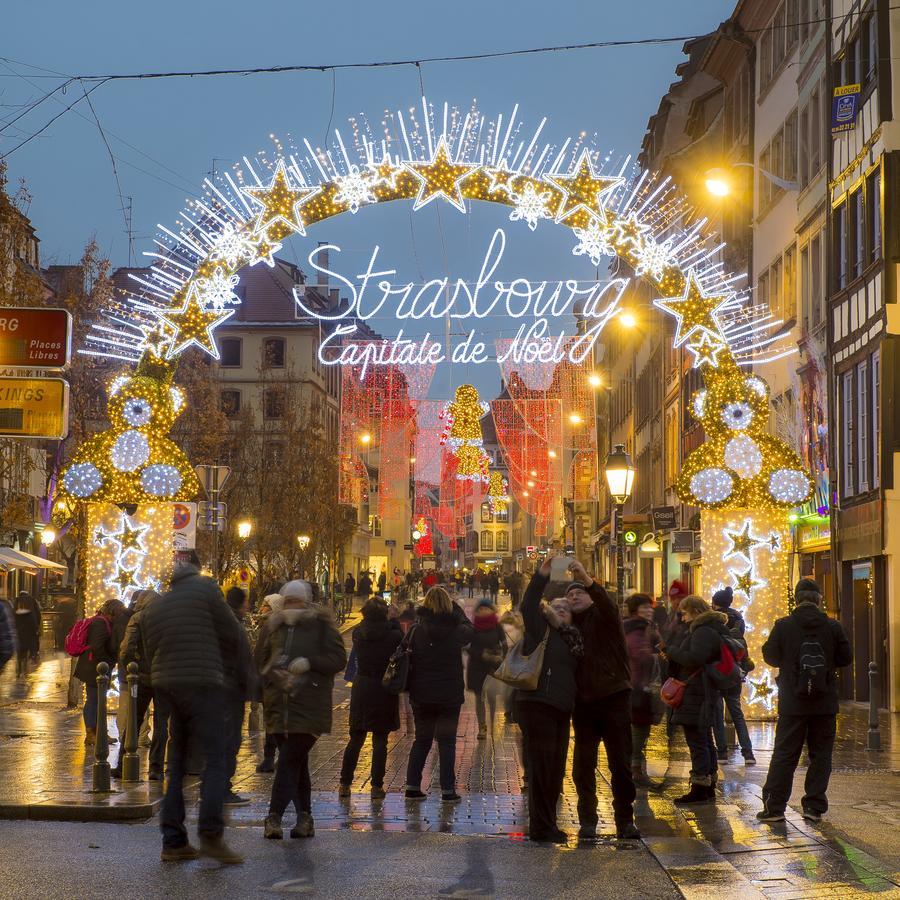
(874, 737)
(131, 762)
(101, 744)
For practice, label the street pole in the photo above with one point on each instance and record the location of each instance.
(214, 499)
(100, 772)
(620, 554)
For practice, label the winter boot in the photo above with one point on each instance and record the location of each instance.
(699, 793)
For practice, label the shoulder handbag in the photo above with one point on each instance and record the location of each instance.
(672, 691)
(396, 674)
(520, 670)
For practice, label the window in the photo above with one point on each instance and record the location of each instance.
(789, 165)
(857, 240)
(810, 138)
(273, 403)
(778, 158)
(672, 433)
(817, 297)
(776, 300)
(486, 514)
(487, 540)
(230, 352)
(805, 286)
(375, 525)
(230, 403)
(848, 448)
(503, 540)
(873, 216)
(502, 515)
(273, 353)
(762, 290)
(876, 418)
(778, 40)
(789, 305)
(862, 430)
(871, 50)
(840, 246)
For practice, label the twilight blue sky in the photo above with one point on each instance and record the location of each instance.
(186, 126)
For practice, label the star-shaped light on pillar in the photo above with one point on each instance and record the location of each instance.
(745, 582)
(441, 177)
(193, 324)
(129, 536)
(582, 189)
(695, 311)
(762, 689)
(281, 203)
(741, 542)
(125, 580)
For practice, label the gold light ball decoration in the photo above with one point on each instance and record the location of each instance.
(498, 495)
(125, 553)
(748, 550)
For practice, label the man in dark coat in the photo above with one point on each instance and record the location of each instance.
(603, 709)
(240, 678)
(188, 634)
(807, 647)
(372, 708)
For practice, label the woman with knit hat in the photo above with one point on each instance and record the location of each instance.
(486, 652)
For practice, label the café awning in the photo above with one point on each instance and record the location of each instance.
(19, 559)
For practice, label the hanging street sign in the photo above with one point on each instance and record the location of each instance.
(35, 338)
(844, 106)
(663, 518)
(34, 408)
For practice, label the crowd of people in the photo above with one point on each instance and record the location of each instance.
(568, 663)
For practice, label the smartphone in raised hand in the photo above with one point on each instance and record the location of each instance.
(559, 568)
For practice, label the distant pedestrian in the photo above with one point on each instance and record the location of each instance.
(486, 652)
(303, 653)
(28, 632)
(603, 709)
(808, 648)
(642, 641)
(514, 583)
(721, 601)
(189, 633)
(545, 714)
(271, 603)
(66, 616)
(100, 648)
(382, 581)
(350, 585)
(470, 584)
(699, 646)
(372, 709)
(436, 689)
(364, 586)
(240, 685)
(494, 585)
(8, 637)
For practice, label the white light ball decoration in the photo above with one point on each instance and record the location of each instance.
(742, 454)
(161, 480)
(712, 485)
(756, 384)
(737, 415)
(699, 403)
(82, 480)
(130, 451)
(789, 485)
(137, 411)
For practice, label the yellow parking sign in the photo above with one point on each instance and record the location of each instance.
(34, 408)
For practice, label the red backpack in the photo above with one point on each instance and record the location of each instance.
(726, 673)
(77, 638)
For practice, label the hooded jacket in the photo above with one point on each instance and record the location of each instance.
(488, 637)
(436, 669)
(131, 649)
(100, 648)
(782, 649)
(700, 645)
(372, 708)
(604, 670)
(309, 633)
(188, 632)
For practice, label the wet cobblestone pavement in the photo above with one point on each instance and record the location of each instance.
(709, 851)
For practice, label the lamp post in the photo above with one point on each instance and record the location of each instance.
(620, 479)
(303, 542)
(244, 530)
(48, 536)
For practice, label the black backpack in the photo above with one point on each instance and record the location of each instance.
(812, 666)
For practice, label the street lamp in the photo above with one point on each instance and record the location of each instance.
(303, 541)
(620, 479)
(244, 529)
(718, 181)
(48, 536)
(365, 438)
(627, 319)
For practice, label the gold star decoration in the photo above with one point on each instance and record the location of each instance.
(264, 250)
(631, 232)
(695, 311)
(774, 542)
(500, 178)
(156, 338)
(124, 579)
(706, 349)
(130, 536)
(384, 173)
(582, 189)
(281, 202)
(441, 177)
(194, 325)
(741, 542)
(745, 582)
(760, 688)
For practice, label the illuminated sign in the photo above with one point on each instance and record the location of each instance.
(533, 304)
(35, 338)
(34, 408)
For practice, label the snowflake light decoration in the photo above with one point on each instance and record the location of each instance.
(593, 242)
(530, 206)
(217, 291)
(354, 189)
(231, 246)
(654, 257)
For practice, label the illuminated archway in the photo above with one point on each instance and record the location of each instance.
(745, 480)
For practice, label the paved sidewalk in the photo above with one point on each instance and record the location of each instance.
(710, 851)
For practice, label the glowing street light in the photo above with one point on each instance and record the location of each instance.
(575, 419)
(627, 319)
(365, 438)
(594, 380)
(551, 454)
(48, 536)
(718, 183)
(303, 541)
(244, 529)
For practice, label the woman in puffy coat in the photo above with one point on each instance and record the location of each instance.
(372, 708)
(436, 689)
(700, 645)
(302, 653)
(486, 652)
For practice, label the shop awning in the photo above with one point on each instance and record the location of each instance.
(19, 559)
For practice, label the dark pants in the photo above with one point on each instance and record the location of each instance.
(160, 734)
(270, 747)
(292, 782)
(22, 662)
(89, 712)
(704, 763)
(732, 699)
(194, 712)
(379, 756)
(141, 702)
(434, 723)
(545, 743)
(234, 725)
(607, 720)
(790, 734)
